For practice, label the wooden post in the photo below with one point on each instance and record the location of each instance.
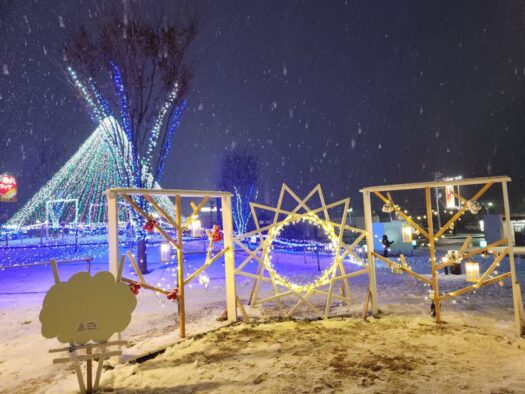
(229, 258)
(89, 371)
(256, 285)
(370, 248)
(180, 268)
(112, 199)
(510, 246)
(432, 252)
(54, 267)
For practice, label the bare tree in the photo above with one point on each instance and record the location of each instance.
(138, 73)
(239, 174)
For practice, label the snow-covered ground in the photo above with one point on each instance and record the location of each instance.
(402, 351)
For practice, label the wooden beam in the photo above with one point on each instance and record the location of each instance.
(408, 271)
(473, 287)
(135, 267)
(372, 282)
(113, 237)
(485, 249)
(465, 245)
(432, 251)
(517, 301)
(89, 345)
(205, 265)
(438, 184)
(169, 192)
(365, 304)
(180, 269)
(492, 267)
(254, 276)
(161, 211)
(88, 357)
(152, 220)
(229, 258)
(145, 285)
(195, 211)
(463, 209)
(407, 218)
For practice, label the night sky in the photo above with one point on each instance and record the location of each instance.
(343, 93)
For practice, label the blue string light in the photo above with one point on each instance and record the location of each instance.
(174, 125)
(241, 211)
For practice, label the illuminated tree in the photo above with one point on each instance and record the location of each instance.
(239, 174)
(138, 74)
(74, 195)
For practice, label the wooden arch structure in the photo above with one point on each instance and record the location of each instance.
(499, 249)
(176, 223)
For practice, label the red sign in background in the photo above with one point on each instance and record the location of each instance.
(7, 188)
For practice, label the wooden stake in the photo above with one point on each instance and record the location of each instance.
(255, 286)
(245, 317)
(54, 266)
(329, 299)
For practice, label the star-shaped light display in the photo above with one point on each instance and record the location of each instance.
(325, 284)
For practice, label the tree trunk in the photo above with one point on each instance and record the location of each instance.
(142, 256)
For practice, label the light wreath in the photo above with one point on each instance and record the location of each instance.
(332, 277)
(273, 233)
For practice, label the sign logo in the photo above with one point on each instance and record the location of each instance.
(91, 325)
(7, 188)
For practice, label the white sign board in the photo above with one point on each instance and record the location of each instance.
(86, 308)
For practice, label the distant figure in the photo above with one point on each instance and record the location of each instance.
(386, 243)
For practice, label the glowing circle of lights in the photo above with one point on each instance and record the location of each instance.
(324, 278)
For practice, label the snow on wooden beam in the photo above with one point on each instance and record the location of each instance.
(169, 192)
(423, 185)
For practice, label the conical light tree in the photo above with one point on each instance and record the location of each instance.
(75, 194)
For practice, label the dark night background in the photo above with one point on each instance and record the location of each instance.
(343, 93)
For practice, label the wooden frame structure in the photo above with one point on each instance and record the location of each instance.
(334, 275)
(129, 195)
(432, 237)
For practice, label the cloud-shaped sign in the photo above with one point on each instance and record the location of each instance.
(86, 308)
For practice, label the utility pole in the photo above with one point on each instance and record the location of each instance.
(437, 175)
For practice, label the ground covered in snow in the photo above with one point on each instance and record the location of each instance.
(403, 351)
(388, 355)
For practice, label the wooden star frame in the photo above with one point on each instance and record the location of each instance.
(333, 276)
